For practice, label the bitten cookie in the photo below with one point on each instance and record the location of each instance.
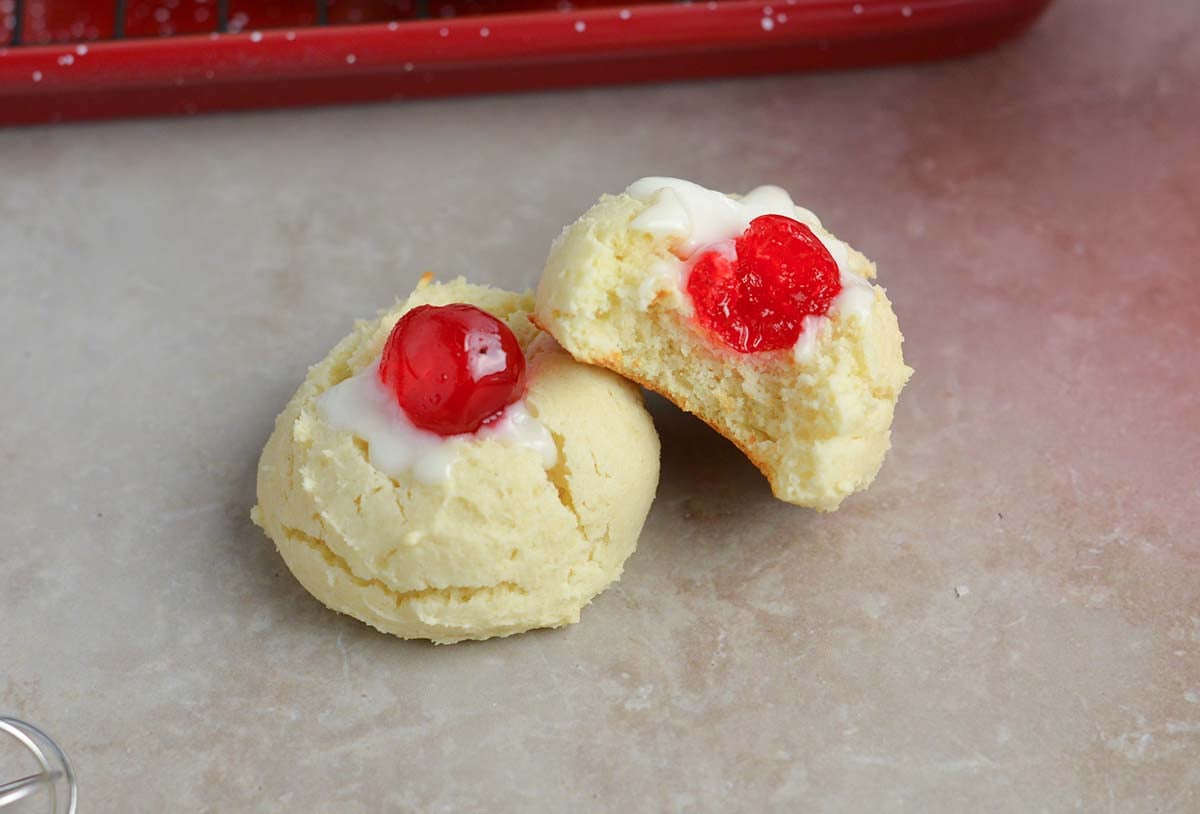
(744, 311)
(421, 482)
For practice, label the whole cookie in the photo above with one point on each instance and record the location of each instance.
(476, 535)
(744, 311)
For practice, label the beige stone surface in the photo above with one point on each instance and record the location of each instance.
(1034, 212)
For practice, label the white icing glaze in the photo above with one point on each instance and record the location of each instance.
(395, 446)
(697, 216)
(856, 297)
(812, 331)
(702, 220)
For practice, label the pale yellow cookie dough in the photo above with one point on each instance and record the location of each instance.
(818, 428)
(503, 545)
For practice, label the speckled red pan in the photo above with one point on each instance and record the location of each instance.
(74, 59)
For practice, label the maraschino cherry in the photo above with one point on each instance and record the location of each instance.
(758, 301)
(453, 368)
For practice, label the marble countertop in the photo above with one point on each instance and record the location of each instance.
(1009, 620)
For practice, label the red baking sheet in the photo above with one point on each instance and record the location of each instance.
(66, 61)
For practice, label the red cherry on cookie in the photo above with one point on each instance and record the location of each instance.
(452, 367)
(758, 300)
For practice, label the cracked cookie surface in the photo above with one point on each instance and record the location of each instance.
(501, 546)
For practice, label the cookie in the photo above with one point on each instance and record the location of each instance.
(447, 535)
(744, 311)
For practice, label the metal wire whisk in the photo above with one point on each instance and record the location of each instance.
(54, 781)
